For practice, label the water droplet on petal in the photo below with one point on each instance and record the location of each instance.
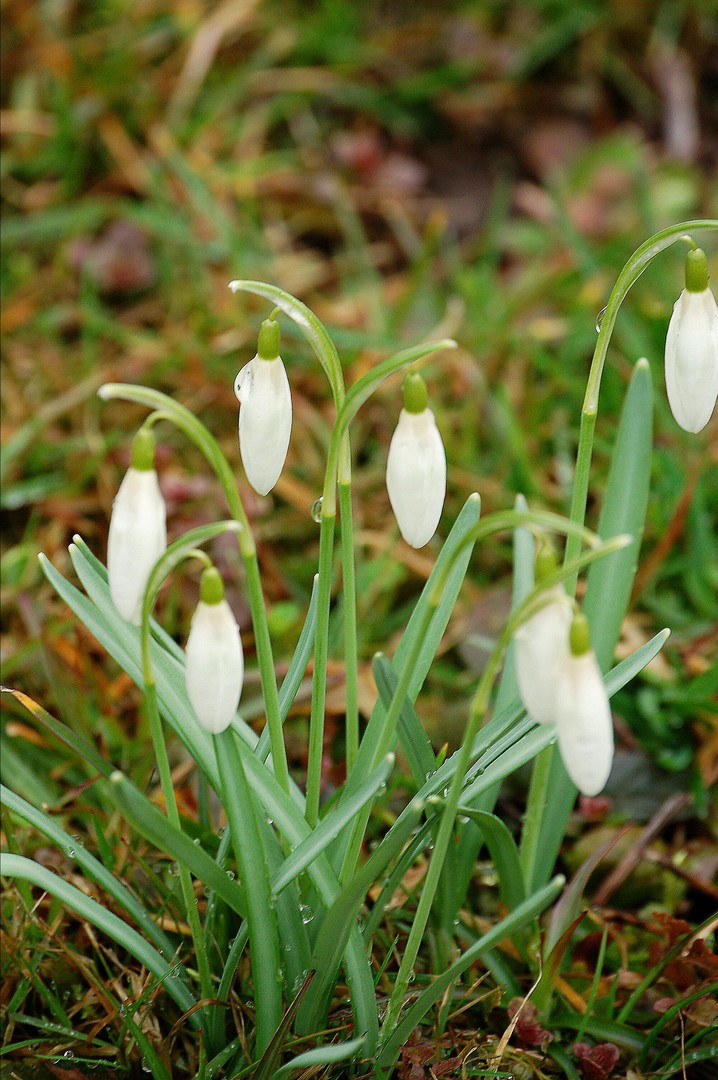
(317, 509)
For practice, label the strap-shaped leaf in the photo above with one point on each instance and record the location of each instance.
(150, 823)
(470, 513)
(609, 582)
(330, 827)
(518, 918)
(17, 866)
(414, 740)
(89, 865)
(504, 855)
(340, 919)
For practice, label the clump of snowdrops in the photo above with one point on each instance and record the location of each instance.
(286, 878)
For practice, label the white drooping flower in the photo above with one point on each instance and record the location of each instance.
(692, 349)
(265, 414)
(416, 467)
(583, 715)
(138, 530)
(214, 671)
(540, 650)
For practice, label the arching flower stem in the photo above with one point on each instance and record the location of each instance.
(166, 408)
(480, 703)
(333, 478)
(184, 548)
(547, 768)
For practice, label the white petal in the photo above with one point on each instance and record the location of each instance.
(265, 420)
(692, 359)
(416, 476)
(541, 648)
(585, 727)
(137, 538)
(215, 665)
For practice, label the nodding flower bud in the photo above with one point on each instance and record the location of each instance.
(416, 466)
(692, 348)
(540, 650)
(583, 714)
(138, 530)
(214, 671)
(265, 415)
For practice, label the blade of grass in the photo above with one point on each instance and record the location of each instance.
(504, 855)
(340, 919)
(518, 918)
(152, 824)
(261, 914)
(414, 740)
(330, 826)
(89, 865)
(17, 866)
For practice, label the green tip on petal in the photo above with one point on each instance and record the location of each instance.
(580, 635)
(269, 340)
(546, 561)
(416, 397)
(696, 271)
(211, 587)
(142, 456)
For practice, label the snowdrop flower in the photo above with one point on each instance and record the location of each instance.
(416, 466)
(214, 672)
(692, 348)
(138, 531)
(583, 714)
(540, 650)
(265, 415)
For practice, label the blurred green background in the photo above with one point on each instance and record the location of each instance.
(475, 169)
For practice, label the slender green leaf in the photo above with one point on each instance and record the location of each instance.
(340, 920)
(152, 824)
(414, 740)
(267, 1066)
(524, 548)
(291, 823)
(609, 581)
(375, 732)
(330, 826)
(90, 866)
(84, 749)
(518, 918)
(17, 866)
(239, 805)
(504, 855)
(323, 1055)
